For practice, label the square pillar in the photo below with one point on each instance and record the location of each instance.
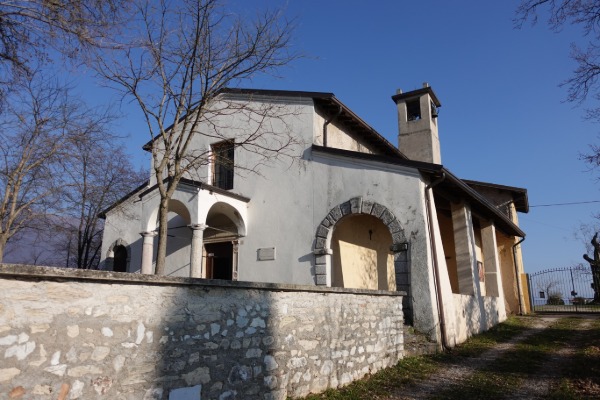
(464, 242)
(491, 261)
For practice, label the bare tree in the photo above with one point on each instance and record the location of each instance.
(187, 53)
(583, 84)
(551, 289)
(97, 174)
(38, 126)
(28, 28)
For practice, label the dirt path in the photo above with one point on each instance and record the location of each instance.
(540, 383)
(534, 384)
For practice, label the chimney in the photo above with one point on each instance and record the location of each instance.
(418, 124)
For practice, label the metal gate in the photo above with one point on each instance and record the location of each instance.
(563, 290)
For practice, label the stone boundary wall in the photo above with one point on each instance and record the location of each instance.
(69, 334)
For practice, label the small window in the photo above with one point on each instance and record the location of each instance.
(223, 161)
(413, 110)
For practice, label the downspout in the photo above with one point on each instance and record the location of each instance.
(327, 122)
(517, 277)
(436, 273)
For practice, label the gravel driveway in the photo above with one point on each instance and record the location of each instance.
(556, 354)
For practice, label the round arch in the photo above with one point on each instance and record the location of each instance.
(358, 206)
(175, 206)
(123, 249)
(226, 218)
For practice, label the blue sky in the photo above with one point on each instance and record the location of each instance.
(503, 117)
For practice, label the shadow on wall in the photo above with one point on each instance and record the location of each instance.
(147, 337)
(199, 326)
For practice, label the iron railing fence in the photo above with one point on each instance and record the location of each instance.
(568, 289)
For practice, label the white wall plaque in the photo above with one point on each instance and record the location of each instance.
(266, 254)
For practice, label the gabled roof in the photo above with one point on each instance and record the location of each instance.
(331, 106)
(519, 195)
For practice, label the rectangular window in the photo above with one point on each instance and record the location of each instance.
(223, 161)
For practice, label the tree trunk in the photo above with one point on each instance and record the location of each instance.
(596, 281)
(161, 255)
(2, 247)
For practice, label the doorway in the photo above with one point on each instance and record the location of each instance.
(219, 260)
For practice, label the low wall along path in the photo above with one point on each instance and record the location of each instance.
(72, 334)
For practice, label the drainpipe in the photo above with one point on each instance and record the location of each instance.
(436, 273)
(327, 122)
(517, 277)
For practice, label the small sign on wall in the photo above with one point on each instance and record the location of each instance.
(266, 254)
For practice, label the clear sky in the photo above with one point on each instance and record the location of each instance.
(503, 117)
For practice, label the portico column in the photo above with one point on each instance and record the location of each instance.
(147, 251)
(196, 251)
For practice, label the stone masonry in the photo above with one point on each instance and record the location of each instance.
(68, 334)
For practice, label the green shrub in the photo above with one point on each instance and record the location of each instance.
(555, 299)
(579, 301)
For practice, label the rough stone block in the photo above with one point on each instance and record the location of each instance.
(189, 393)
(377, 210)
(387, 217)
(346, 208)
(395, 226)
(367, 206)
(321, 269)
(401, 256)
(398, 237)
(320, 243)
(335, 214)
(355, 205)
(321, 280)
(322, 231)
(321, 259)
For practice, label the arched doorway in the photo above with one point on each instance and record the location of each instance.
(361, 256)
(354, 207)
(120, 258)
(224, 227)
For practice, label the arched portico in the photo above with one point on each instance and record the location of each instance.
(179, 239)
(198, 216)
(358, 207)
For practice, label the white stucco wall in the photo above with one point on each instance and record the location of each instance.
(289, 197)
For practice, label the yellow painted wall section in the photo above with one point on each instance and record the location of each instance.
(479, 255)
(361, 254)
(447, 233)
(507, 269)
(526, 294)
(339, 137)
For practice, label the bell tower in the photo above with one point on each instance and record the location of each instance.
(418, 124)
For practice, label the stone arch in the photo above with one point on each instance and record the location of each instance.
(175, 206)
(110, 254)
(356, 205)
(221, 213)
